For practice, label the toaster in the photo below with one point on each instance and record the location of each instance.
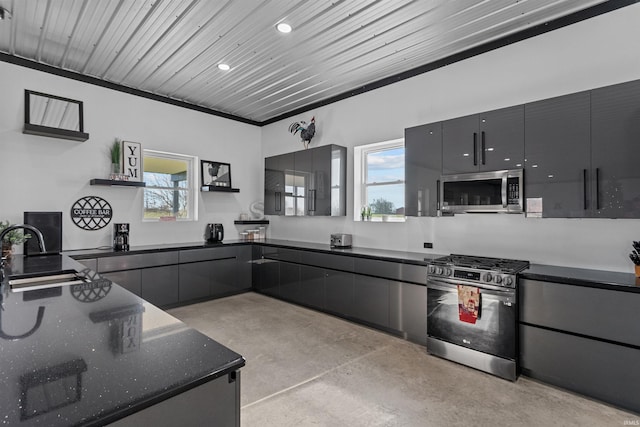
(341, 240)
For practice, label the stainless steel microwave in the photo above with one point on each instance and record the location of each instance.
(492, 192)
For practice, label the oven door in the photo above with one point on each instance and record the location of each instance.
(495, 329)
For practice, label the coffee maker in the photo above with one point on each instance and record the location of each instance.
(214, 233)
(121, 237)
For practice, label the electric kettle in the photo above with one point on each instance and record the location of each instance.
(214, 233)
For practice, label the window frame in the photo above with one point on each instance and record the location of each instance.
(191, 188)
(360, 185)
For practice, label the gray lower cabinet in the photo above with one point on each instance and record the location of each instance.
(339, 292)
(131, 280)
(594, 368)
(582, 339)
(194, 281)
(159, 285)
(223, 277)
(268, 277)
(290, 281)
(245, 267)
(371, 300)
(312, 286)
(216, 402)
(408, 310)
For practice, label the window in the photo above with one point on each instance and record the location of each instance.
(170, 193)
(379, 181)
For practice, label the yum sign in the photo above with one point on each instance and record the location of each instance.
(132, 160)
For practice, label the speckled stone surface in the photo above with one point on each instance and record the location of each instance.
(307, 368)
(90, 353)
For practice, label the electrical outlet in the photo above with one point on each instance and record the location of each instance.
(428, 245)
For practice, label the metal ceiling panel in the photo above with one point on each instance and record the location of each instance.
(171, 48)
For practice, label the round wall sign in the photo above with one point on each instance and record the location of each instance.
(91, 213)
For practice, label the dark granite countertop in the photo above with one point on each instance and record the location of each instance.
(92, 353)
(573, 276)
(382, 254)
(626, 282)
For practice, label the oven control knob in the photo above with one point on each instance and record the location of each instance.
(497, 279)
(488, 277)
(438, 270)
(508, 280)
(448, 272)
(431, 269)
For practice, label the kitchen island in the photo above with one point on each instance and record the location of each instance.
(93, 353)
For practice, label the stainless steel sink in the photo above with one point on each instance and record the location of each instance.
(22, 284)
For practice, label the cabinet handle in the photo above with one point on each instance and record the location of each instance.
(598, 188)
(437, 195)
(475, 149)
(312, 200)
(278, 201)
(483, 149)
(584, 188)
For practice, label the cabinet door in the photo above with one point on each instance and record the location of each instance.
(501, 139)
(301, 182)
(460, 142)
(408, 310)
(245, 267)
(194, 281)
(423, 167)
(339, 292)
(371, 300)
(160, 285)
(129, 279)
(557, 144)
(290, 282)
(269, 281)
(320, 194)
(615, 150)
(223, 277)
(312, 286)
(273, 186)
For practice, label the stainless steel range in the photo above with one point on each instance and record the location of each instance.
(472, 312)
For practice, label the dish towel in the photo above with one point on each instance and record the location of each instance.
(468, 303)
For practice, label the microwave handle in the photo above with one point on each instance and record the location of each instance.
(475, 149)
(505, 201)
(437, 195)
(484, 152)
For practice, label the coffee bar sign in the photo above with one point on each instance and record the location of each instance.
(91, 213)
(132, 160)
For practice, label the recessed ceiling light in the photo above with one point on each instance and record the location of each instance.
(284, 28)
(224, 67)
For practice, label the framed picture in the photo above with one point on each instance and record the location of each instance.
(132, 160)
(215, 174)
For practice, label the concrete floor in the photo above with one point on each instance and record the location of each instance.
(307, 368)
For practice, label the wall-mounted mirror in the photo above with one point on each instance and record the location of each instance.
(54, 116)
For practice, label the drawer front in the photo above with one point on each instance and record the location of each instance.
(392, 270)
(130, 262)
(282, 254)
(194, 255)
(334, 262)
(600, 313)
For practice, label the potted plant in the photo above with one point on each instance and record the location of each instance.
(14, 237)
(115, 153)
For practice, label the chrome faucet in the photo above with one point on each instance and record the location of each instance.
(26, 227)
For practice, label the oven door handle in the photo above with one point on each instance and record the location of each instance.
(442, 285)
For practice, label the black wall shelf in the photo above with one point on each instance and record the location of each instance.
(207, 188)
(98, 181)
(252, 221)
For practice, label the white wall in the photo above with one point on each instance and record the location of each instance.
(47, 174)
(593, 53)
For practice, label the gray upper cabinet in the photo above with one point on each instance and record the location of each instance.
(488, 141)
(274, 183)
(557, 149)
(423, 167)
(307, 183)
(615, 150)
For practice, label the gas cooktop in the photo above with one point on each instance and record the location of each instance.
(510, 266)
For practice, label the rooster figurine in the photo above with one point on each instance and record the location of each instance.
(306, 130)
